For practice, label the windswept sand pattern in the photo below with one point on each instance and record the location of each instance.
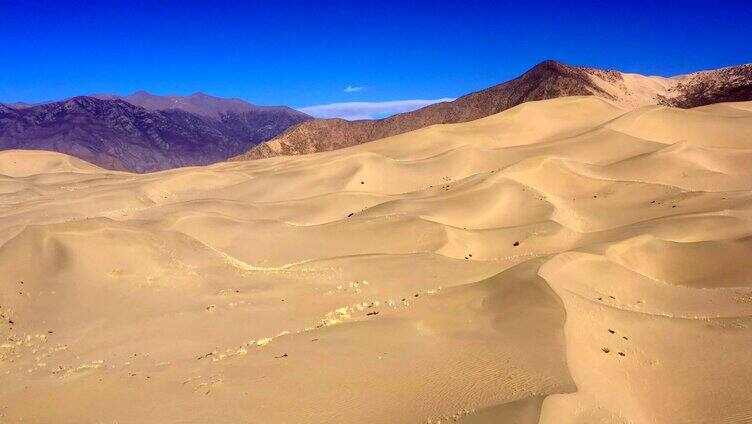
(564, 261)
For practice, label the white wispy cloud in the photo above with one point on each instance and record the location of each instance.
(353, 88)
(368, 110)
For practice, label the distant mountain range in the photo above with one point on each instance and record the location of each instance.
(197, 103)
(143, 132)
(547, 80)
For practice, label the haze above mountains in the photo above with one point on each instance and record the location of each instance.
(144, 133)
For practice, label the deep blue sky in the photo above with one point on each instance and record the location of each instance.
(304, 53)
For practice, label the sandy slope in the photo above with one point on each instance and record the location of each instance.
(547, 80)
(565, 261)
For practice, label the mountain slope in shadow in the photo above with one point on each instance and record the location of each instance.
(166, 132)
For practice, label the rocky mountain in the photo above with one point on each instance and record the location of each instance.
(119, 135)
(549, 79)
(733, 84)
(239, 118)
(20, 105)
(142, 132)
(199, 104)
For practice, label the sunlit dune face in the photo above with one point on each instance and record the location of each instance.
(565, 261)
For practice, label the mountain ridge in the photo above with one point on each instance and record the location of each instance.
(198, 103)
(118, 135)
(142, 132)
(548, 79)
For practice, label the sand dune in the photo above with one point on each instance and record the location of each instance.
(564, 261)
(547, 80)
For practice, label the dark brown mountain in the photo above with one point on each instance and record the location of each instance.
(733, 84)
(546, 80)
(118, 135)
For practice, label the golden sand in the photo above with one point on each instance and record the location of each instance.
(565, 261)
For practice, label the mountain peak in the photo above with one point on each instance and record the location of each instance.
(547, 79)
(550, 65)
(137, 133)
(83, 101)
(550, 62)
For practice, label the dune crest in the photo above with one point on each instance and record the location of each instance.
(571, 260)
(546, 80)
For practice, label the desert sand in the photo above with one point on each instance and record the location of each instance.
(564, 261)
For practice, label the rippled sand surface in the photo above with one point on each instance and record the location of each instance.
(564, 261)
